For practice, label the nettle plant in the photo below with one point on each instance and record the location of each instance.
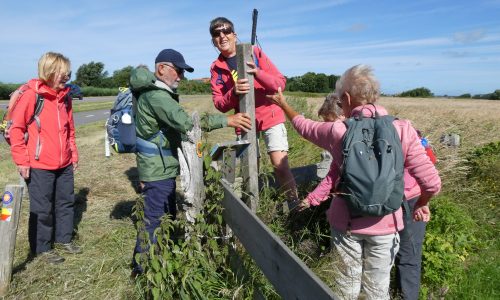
(189, 261)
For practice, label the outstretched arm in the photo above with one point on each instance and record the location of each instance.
(280, 100)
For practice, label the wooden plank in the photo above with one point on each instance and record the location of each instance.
(291, 278)
(9, 220)
(191, 171)
(249, 164)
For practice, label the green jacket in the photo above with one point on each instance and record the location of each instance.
(157, 108)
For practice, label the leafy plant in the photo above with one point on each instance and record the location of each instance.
(449, 241)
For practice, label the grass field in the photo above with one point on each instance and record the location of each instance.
(105, 193)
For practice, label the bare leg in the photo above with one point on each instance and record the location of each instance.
(279, 160)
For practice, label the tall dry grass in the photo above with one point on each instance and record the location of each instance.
(105, 195)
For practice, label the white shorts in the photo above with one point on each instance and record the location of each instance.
(275, 138)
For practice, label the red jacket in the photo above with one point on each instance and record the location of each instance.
(57, 136)
(266, 82)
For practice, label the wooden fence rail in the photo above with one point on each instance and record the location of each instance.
(291, 278)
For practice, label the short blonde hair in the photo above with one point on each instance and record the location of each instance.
(360, 83)
(51, 64)
(331, 107)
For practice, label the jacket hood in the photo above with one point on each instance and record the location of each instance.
(142, 80)
(41, 88)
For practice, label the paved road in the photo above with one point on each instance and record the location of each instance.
(3, 103)
(86, 117)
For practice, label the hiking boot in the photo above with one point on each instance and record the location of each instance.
(68, 248)
(134, 274)
(51, 257)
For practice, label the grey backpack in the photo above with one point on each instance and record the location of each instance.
(371, 179)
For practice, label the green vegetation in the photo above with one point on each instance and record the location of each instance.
(493, 96)
(418, 93)
(81, 106)
(461, 251)
(312, 82)
(93, 74)
(194, 87)
(90, 91)
(6, 89)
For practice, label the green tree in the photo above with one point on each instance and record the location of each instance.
(121, 77)
(418, 92)
(495, 95)
(91, 74)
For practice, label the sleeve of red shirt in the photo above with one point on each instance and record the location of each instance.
(224, 102)
(268, 76)
(72, 139)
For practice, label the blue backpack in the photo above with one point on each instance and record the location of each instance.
(371, 179)
(120, 124)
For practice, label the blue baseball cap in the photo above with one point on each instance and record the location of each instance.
(174, 57)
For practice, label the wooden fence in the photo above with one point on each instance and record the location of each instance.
(291, 278)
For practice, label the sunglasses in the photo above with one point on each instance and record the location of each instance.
(225, 30)
(63, 75)
(177, 70)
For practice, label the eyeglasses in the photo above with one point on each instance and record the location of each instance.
(65, 75)
(225, 30)
(179, 72)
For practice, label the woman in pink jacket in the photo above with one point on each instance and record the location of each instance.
(366, 246)
(48, 158)
(227, 88)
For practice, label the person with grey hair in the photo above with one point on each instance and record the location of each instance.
(161, 125)
(366, 246)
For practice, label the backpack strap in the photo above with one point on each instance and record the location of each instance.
(35, 118)
(148, 148)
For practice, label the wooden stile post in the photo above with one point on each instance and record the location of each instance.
(191, 166)
(249, 167)
(9, 220)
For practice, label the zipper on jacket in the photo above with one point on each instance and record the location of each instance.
(59, 131)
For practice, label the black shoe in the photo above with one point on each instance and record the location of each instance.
(68, 248)
(134, 274)
(51, 257)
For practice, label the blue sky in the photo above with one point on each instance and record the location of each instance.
(450, 47)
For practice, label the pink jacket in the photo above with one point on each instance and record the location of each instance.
(267, 82)
(57, 136)
(328, 135)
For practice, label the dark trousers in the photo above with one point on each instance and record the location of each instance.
(52, 201)
(409, 258)
(159, 199)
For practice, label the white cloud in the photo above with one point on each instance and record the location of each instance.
(469, 36)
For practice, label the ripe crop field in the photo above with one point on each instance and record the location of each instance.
(105, 190)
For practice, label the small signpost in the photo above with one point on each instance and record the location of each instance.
(9, 220)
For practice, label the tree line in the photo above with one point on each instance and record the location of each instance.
(93, 75)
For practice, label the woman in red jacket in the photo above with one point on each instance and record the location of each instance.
(48, 157)
(269, 118)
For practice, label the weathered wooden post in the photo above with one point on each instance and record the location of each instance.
(9, 219)
(191, 165)
(249, 165)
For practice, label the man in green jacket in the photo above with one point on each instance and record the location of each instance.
(161, 124)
